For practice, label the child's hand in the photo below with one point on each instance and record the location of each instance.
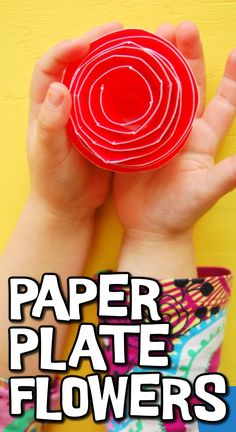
(61, 179)
(170, 200)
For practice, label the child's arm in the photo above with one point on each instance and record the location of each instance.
(158, 211)
(159, 208)
(55, 228)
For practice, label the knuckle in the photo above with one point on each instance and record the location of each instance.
(44, 124)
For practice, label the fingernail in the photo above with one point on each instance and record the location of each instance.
(55, 97)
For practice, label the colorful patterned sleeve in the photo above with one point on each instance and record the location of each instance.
(26, 421)
(196, 310)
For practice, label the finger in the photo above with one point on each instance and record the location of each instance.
(189, 44)
(221, 179)
(51, 136)
(50, 67)
(221, 111)
(166, 31)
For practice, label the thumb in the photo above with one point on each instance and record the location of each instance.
(51, 135)
(222, 178)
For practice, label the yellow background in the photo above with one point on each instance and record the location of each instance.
(29, 28)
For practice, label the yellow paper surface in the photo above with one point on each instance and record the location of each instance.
(28, 28)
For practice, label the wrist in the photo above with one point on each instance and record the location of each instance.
(51, 243)
(158, 256)
(58, 231)
(53, 217)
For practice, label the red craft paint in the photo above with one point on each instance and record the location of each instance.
(134, 101)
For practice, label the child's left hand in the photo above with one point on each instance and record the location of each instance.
(169, 201)
(63, 181)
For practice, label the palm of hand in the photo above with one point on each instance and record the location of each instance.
(172, 198)
(167, 199)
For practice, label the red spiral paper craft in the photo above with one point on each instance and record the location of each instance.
(134, 99)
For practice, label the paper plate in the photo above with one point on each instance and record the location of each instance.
(134, 99)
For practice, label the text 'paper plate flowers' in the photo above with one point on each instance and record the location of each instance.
(134, 99)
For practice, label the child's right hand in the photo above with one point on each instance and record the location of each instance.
(159, 208)
(170, 200)
(63, 181)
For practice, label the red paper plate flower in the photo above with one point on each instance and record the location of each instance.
(134, 101)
